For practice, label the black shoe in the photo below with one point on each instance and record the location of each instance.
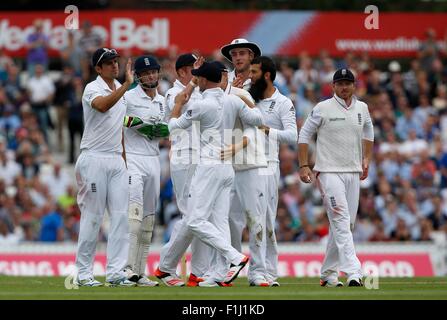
(355, 283)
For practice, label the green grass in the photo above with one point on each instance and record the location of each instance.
(49, 288)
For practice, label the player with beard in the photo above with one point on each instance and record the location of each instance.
(142, 153)
(280, 127)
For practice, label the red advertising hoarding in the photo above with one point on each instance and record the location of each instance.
(293, 265)
(283, 33)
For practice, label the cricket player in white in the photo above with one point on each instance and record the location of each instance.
(101, 172)
(208, 205)
(240, 53)
(280, 127)
(143, 163)
(183, 162)
(344, 145)
(248, 194)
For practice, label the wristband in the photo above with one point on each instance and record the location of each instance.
(304, 165)
(192, 84)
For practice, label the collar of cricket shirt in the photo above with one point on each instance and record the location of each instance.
(343, 103)
(142, 94)
(105, 86)
(212, 92)
(179, 84)
(274, 95)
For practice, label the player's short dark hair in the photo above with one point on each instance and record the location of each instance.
(267, 65)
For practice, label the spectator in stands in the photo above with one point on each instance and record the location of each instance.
(64, 90)
(89, 42)
(429, 49)
(41, 91)
(75, 118)
(72, 54)
(37, 44)
(52, 227)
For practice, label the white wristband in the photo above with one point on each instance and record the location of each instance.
(192, 84)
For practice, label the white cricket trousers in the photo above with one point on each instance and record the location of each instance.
(340, 193)
(207, 219)
(181, 176)
(102, 183)
(144, 183)
(249, 208)
(271, 256)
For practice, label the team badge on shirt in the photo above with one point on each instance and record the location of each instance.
(272, 105)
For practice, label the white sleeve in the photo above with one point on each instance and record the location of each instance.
(249, 116)
(310, 126)
(288, 119)
(368, 128)
(186, 119)
(90, 93)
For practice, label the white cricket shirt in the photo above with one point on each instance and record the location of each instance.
(102, 131)
(340, 130)
(182, 144)
(139, 104)
(279, 115)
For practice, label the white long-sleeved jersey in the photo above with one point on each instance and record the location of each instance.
(340, 130)
(209, 114)
(139, 104)
(279, 115)
(252, 156)
(182, 146)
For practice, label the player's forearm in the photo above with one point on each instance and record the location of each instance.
(105, 103)
(124, 148)
(177, 111)
(367, 149)
(303, 154)
(289, 135)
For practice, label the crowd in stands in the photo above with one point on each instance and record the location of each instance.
(403, 199)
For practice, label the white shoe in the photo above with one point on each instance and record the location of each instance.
(259, 282)
(273, 283)
(123, 282)
(331, 283)
(234, 270)
(88, 283)
(131, 276)
(208, 283)
(146, 282)
(169, 279)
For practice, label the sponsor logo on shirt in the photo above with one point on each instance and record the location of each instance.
(272, 105)
(93, 187)
(359, 116)
(337, 119)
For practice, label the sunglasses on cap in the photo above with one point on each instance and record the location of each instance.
(105, 53)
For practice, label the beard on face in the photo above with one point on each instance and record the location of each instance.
(258, 88)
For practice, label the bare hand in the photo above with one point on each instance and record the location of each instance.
(306, 175)
(181, 98)
(129, 73)
(238, 82)
(264, 129)
(200, 60)
(365, 169)
(230, 151)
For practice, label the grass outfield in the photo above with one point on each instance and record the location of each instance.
(49, 288)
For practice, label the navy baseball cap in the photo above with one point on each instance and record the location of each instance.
(103, 54)
(185, 60)
(144, 63)
(221, 66)
(209, 71)
(343, 74)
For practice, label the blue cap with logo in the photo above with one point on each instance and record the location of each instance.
(144, 63)
(343, 74)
